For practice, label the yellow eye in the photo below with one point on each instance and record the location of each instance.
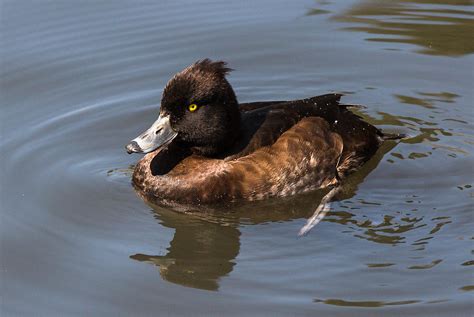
(192, 107)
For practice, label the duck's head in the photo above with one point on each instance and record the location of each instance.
(199, 110)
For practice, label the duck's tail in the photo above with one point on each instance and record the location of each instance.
(392, 136)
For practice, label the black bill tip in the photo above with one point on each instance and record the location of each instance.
(133, 147)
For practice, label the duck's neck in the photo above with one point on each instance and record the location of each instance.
(226, 140)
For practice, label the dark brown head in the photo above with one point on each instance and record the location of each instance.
(199, 110)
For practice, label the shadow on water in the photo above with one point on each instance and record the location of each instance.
(425, 23)
(206, 244)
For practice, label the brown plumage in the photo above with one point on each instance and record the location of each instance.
(225, 152)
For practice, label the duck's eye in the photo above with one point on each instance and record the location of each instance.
(192, 107)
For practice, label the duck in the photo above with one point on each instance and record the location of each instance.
(207, 148)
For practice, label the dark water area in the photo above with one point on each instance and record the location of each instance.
(80, 79)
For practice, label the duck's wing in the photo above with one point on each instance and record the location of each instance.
(327, 100)
(361, 139)
(264, 122)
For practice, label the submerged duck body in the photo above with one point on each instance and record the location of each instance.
(206, 148)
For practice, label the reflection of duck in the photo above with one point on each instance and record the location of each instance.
(199, 254)
(205, 245)
(211, 149)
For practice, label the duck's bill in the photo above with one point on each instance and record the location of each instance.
(157, 136)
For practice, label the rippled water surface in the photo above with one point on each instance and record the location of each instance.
(80, 79)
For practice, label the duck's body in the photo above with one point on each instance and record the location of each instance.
(276, 148)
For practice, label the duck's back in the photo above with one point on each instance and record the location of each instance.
(284, 148)
(265, 122)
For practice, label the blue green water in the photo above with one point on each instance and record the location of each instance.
(80, 79)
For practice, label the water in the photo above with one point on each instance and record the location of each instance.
(80, 79)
